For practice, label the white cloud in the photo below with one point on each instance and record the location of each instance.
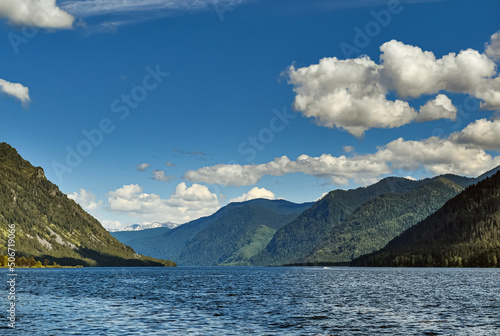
(184, 205)
(352, 94)
(363, 169)
(439, 108)
(413, 72)
(86, 198)
(101, 7)
(39, 13)
(15, 90)
(347, 94)
(142, 166)
(322, 195)
(489, 92)
(462, 153)
(254, 194)
(348, 149)
(410, 71)
(159, 175)
(111, 224)
(493, 48)
(437, 156)
(481, 133)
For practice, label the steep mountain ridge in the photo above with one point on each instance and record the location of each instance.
(464, 232)
(377, 221)
(51, 226)
(296, 241)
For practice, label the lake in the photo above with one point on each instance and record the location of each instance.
(256, 301)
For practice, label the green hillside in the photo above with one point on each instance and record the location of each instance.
(296, 241)
(381, 219)
(51, 226)
(464, 232)
(166, 245)
(240, 233)
(231, 236)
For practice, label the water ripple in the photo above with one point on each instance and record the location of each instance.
(258, 301)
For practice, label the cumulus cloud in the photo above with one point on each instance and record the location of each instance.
(38, 13)
(159, 175)
(15, 90)
(321, 197)
(352, 94)
(437, 156)
(412, 72)
(142, 166)
(363, 169)
(481, 133)
(462, 153)
(348, 149)
(439, 108)
(347, 94)
(184, 205)
(111, 224)
(254, 194)
(493, 48)
(86, 198)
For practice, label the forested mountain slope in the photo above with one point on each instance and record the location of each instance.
(49, 225)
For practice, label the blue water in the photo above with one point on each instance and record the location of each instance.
(255, 301)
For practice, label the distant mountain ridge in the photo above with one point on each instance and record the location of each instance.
(239, 233)
(230, 236)
(140, 227)
(338, 228)
(295, 242)
(51, 226)
(342, 226)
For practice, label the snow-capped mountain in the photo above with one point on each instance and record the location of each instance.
(140, 227)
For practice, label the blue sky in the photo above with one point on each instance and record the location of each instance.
(225, 100)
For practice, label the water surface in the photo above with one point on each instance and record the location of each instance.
(256, 301)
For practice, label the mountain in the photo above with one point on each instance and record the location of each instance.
(49, 225)
(243, 231)
(338, 228)
(464, 232)
(487, 174)
(164, 243)
(137, 231)
(231, 236)
(130, 235)
(379, 220)
(140, 227)
(345, 224)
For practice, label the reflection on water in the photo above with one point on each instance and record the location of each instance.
(257, 301)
